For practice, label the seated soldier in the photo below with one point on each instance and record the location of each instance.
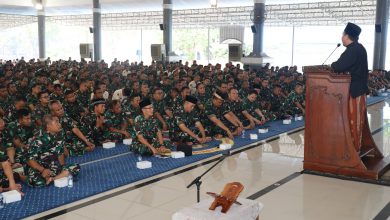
(116, 121)
(188, 129)
(277, 101)
(8, 179)
(57, 94)
(41, 108)
(18, 103)
(32, 98)
(201, 96)
(160, 109)
(237, 107)
(295, 103)
(82, 94)
(94, 124)
(219, 118)
(179, 101)
(19, 135)
(171, 98)
(244, 90)
(45, 158)
(131, 107)
(265, 94)
(5, 100)
(253, 108)
(73, 107)
(145, 93)
(75, 143)
(149, 139)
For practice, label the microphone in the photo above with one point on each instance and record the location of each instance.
(338, 45)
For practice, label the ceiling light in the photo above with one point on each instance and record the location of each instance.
(213, 3)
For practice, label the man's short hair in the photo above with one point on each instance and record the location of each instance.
(42, 92)
(156, 89)
(252, 92)
(52, 102)
(46, 120)
(134, 95)
(22, 113)
(198, 84)
(19, 98)
(113, 103)
(126, 91)
(56, 86)
(96, 89)
(184, 87)
(233, 88)
(277, 86)
(68, 92)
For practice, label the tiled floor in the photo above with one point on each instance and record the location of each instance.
(304, 197)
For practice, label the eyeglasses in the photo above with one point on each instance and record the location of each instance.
(148, 107)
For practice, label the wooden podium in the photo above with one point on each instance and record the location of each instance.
(329, 147)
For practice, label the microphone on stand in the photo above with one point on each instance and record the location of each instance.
(338, 45)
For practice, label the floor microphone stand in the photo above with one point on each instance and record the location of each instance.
(197, 181)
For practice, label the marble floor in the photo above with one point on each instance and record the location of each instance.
(303, 197)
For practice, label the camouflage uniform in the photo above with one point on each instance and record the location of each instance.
(4, 182)
(116, 121)
(73, 143)
(211, 110)
(177, 103)
(45, 150)
(60, 98)
(73, 110)
(250, 107)
(209, 90)
(264, 96)
(32, 100)
(166, 88)
(160, 107)
(10, 114)
(130, 111)
(243, 93)
(277, 106)
(83, 97)
(94, 133)
(25, 134)
(148, 128)
(188, 119)
(5, 104)
(289, 104)
(39, 112)
(237, 108)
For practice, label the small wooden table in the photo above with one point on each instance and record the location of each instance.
(249, 210)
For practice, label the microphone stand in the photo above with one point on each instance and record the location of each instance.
(338, 45)
(197, 181)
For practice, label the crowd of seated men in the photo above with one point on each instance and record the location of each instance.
(378, 80)
(53, 110)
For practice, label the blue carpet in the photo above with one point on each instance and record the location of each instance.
(99, 153)
(103, 175)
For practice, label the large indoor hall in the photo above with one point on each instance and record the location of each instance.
(194, 110)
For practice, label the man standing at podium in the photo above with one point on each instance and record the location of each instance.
(354, 61)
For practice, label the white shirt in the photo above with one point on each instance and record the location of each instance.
(118, 95)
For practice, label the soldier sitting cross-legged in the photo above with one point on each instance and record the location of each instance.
(46, 158)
